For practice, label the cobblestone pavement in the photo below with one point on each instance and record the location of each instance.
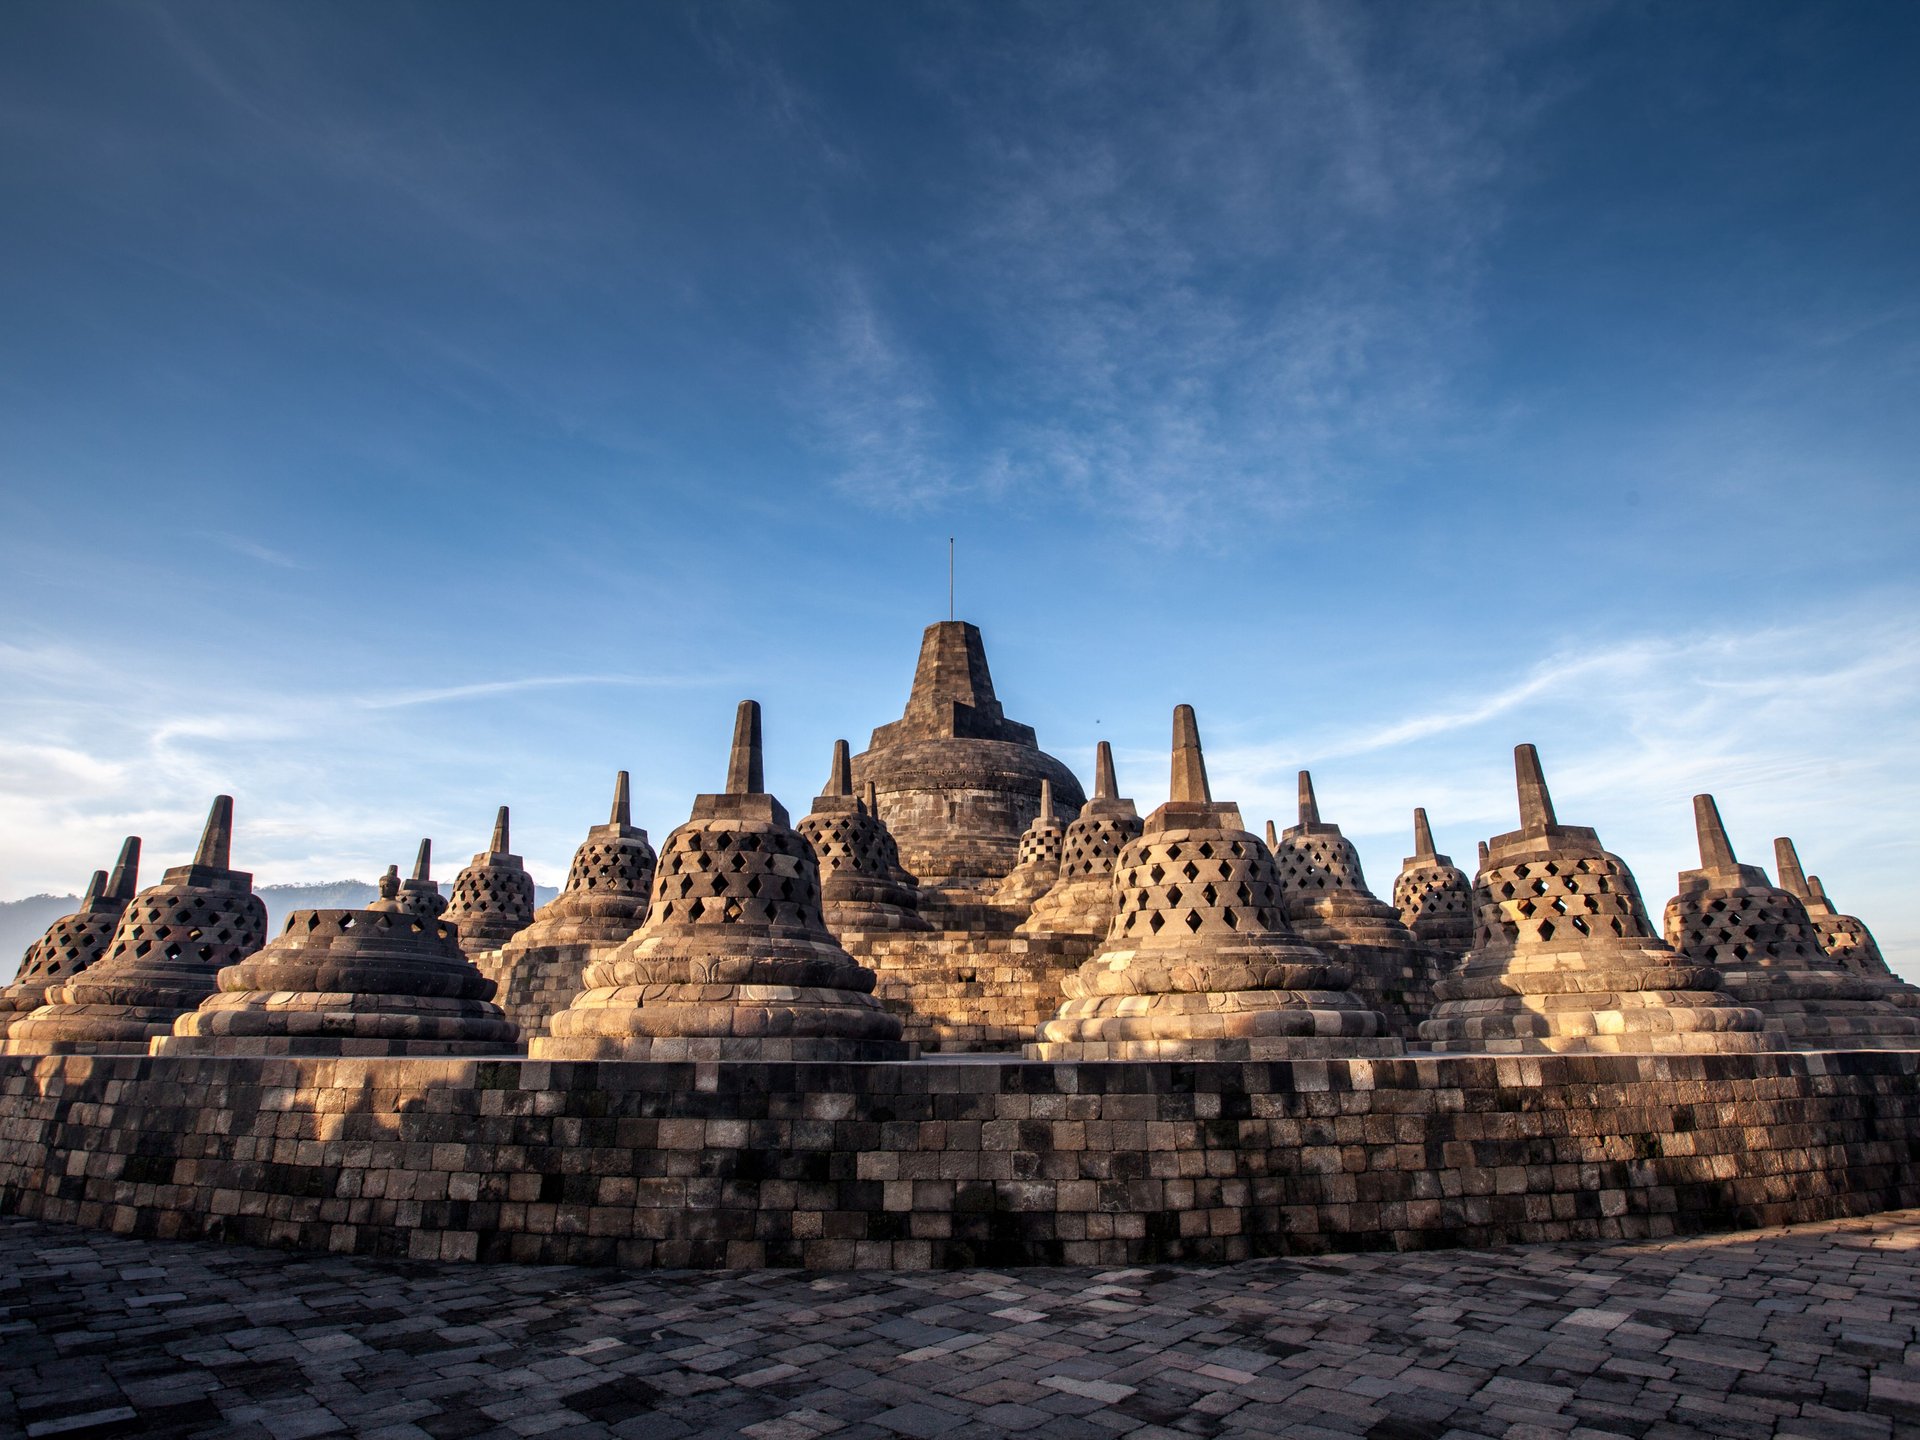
(1803, 1332)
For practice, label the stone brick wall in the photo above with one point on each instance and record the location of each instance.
(969, 991)
(955, 1163)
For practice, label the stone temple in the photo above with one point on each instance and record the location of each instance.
(960, 1015)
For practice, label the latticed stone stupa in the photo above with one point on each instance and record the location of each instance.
(1325, 896)
(862, 885)
(1082, 900)
(73, 942)
(1434, 896)
(379, 981)
(493, 897)
(1565, 959)
(734, 961)
(1769, 955)
(171, 942)
(1038, 864)
(419, 895)
(1199, 962)
(957, 781)
(1845, 937)
(543, 966)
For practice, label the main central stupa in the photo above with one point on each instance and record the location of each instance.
(958, 782)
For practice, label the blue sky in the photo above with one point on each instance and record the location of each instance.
(410, 408)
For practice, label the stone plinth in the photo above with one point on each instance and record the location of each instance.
(171, 942)
(543, 967)
(1565, 959)
(1037, 865)
(862, 884)
(1434, 897)
(1763, 943)
(1200, 962)
(958, 782)
(380, 981)
(734, 961)
(493, 897)
(1082, 900)
(73, 942)
(1324, 895)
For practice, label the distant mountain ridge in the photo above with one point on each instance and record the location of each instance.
(24, 921)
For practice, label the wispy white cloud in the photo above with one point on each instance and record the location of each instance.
(253, 550)
(485, 688)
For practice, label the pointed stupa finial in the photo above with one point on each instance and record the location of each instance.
(1189, 785)
(1536, 804)
(390, 883)
(1787, 861)
(1273, 837)
(498, 845)
(1105, 787)
(622, 802)
(216, 841)
(423, 862)
(840, 777)
(1485, 851)
(872, 799)
(746, 772)
(126, 870)
(1716, 850)
(96, 887)
(1819, 890)
(1309, 807)
(1045, 817)
(1422, 835)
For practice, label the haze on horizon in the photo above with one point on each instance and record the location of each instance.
(408, 409)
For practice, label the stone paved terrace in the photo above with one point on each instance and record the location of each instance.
(1809, 1331)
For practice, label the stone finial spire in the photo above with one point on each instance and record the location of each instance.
(1536, 803)
(499, 845)
(1309, 806)
(1819, 890)
(746, 770)
(622, 813)
(126, 870)
(1273, 836)
(1422, 835)
(96, 887)
(840, 777)
(1485, 851)
(1105, 786)
(1046, 800)
(871, 799)
(1716, 850)
(216, 841)
(423, 862)
(1189, 785)
(1792, 878)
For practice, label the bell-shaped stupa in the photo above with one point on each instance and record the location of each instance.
(1199, 963)
(1565, 959)
(1434, 896)
(171, 942)
(957, 781)
(1325, 896)
(1038, 866)
(493, 897)
(1769, 955)
(1082, 900)
(419, 894)
(379, 981)
(1845, 937)
(543, 967)
(734, 961)
(73, 942)
(889, 847)
(862, 885)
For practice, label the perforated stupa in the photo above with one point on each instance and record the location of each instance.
(862, 885)
(1434, 896)
(1845, 937)
(1769, 955)
(1565, 959)
(543, 966)
(379, 981)
(1199, 962)
(172, 940)
(1082, 900)
(419, 894)
(493, 897)
(73, 942)
(1038, 864)
(734, 961)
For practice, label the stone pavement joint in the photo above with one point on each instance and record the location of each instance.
(1811, 1331)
